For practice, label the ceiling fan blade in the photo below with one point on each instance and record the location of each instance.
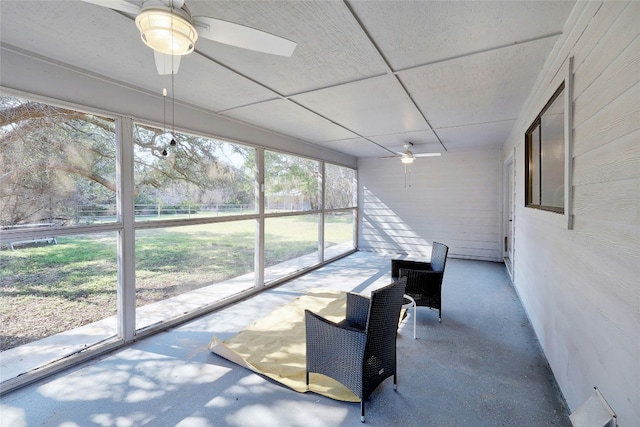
(121, 5)
(242, 36)
(164, 65)
(427, 154)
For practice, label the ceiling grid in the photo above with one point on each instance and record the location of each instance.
(365, 77)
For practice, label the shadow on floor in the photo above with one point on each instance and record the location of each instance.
(482, 366)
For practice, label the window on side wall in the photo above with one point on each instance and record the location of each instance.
(544, 157)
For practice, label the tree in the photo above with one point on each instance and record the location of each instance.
(53, 159)
(340, 183)
(285, 173)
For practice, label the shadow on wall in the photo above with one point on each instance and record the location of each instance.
(383, 231)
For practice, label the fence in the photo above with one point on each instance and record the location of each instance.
(107, 213)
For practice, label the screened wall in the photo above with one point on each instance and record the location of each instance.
(127, 226)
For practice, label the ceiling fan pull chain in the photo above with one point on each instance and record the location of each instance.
(173, 94)
(164, 116)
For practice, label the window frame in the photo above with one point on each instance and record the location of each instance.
(125, 226)
(530, 163)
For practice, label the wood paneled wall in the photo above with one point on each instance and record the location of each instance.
(453, 199)
(581, 287)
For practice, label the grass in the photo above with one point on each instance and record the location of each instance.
(47, 289)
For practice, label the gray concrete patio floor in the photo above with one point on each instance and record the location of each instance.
(482, 366)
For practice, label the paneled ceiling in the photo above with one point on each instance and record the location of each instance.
(366, 76)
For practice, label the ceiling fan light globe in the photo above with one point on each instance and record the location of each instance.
(166, 32)
(406, 159)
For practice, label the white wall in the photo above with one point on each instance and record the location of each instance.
(581, 287)
(453, 199)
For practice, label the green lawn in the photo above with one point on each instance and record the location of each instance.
(46, 289)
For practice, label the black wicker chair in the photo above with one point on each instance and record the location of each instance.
(359, 352)
(424, 279)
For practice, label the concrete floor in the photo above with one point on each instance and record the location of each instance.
(482, 366)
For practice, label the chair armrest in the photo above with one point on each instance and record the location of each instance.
(397, 264)
(357, 310)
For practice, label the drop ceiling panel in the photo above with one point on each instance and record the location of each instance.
(331, 48)
(369, 107)
(207, 85)
(77, 33)
(486, 87)
(357, 147)
(285, 117)
(476, 137)
(415, 33)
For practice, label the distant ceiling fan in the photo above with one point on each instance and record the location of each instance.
(167, 27)
(407, 156)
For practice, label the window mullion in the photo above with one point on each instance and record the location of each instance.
(126, 235)
(539, 171)
(260, 201)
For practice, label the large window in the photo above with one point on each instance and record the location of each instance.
(341, 187)
(291, 183)
(58, 166)
(176, 266)
(179, 179)
(110, 229)
(340, 201)
(58, 265)
(193, 177)
(545, 157)
(290, 245)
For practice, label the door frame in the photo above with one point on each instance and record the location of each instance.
(508, 213)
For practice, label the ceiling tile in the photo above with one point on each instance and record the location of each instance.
(207, 85)
(369, 107)
(70, 32)
(411, 33)
(286, 117)
(476, 137)
(486, 87)
(331, 48)
(358, 147)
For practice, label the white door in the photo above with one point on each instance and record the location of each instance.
(509, 223)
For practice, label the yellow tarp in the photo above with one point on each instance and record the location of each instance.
(275, 346)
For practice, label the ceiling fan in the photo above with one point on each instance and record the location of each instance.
(407, 156)
(167, 27)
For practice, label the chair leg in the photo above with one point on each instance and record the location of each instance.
(307, 380)
(415, 312)
(395, 382)
(440, 315)
(362, 410)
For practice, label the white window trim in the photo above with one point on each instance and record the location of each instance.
(565, 73)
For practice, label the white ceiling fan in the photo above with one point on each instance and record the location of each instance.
(407, 156)
(168, 28)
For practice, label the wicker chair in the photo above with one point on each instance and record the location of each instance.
(360, 351)
(424, 279)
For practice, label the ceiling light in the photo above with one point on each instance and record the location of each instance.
(407, 159)
(165, 30)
